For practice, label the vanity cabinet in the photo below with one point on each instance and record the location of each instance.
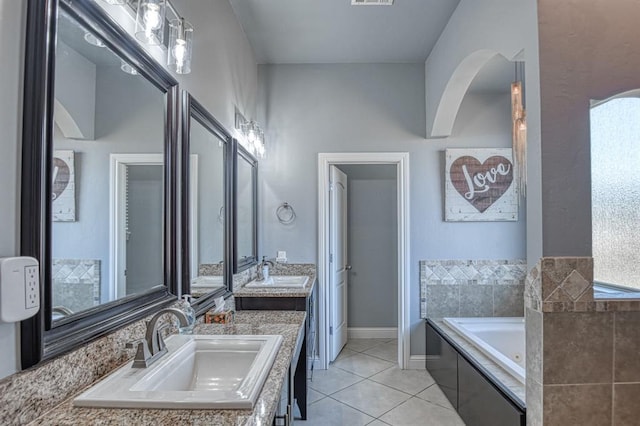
(284, 412)
(302, 369)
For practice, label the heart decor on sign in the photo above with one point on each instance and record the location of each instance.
(61, 176)
(481, 184)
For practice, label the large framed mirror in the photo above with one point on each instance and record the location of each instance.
(245, 209)
(99, 177)
(206, 216)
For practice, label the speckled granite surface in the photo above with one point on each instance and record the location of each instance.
(513, 386)
(28, 397)
(308, 269)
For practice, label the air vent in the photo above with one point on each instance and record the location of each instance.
(371, 2)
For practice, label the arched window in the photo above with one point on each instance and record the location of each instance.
(615, 191)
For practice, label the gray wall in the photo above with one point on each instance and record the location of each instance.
(309, 109)
(585, 66)
(372, 246)
(12, 19)
(224, 77)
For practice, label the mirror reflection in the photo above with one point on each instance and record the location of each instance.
(207, 209)
(108, 176)
(246, 250)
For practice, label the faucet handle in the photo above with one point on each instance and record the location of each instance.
(142, 352)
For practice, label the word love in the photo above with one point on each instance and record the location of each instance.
(481, 184)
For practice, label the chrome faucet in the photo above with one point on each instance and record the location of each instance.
(264, 267)
(152, 347)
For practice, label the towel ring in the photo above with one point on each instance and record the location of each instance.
(286, 214)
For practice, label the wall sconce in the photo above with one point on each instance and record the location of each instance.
(252, 135)
(150, 18)
(180, 44)
(519, 129)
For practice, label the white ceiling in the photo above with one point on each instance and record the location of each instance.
(333, 31)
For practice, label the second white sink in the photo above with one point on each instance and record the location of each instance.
(198, 372)
(280, 281)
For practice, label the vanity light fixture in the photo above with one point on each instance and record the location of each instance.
(252, 136)
(180, 45)
(93, 40)
(126, 67)
(150, 18)
(519, 129)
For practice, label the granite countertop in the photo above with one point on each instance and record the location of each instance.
(289, 324)
(279, 291)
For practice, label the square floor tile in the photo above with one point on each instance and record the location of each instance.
(332, 380)
(387, 351)
(371, 397)
(363, 365)
(344, 353)
(314, 395)
(361, 345)
(434, 394)
(416, 411)
(328, 412)
(409, 381)
(378, 422)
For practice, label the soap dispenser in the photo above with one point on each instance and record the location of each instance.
(185, 306)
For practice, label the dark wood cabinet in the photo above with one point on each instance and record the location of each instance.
(478, 401)
(442, 363)
(305, 347)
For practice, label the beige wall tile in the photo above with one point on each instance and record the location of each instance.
(578, 348)
(626, 404)
(534, 403)
(584, 405)
(627, 347)
(533, 336)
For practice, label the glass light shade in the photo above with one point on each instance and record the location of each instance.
(180, 46)
(93, 40)
(124, 66)
(150, 19)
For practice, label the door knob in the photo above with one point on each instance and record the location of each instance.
(347, 267)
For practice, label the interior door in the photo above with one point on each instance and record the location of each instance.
(338, 261)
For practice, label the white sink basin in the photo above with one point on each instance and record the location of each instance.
(198, 372)
(280, 281)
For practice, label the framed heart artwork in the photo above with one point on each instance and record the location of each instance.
(480, 185)
(63, 187)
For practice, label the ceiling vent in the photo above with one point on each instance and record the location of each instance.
(371, 2)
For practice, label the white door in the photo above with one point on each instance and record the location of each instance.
(338, 261)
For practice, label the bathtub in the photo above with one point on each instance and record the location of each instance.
(500, 339)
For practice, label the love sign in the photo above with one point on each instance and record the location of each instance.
(479, 185)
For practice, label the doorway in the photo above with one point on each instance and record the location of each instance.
(330, 274)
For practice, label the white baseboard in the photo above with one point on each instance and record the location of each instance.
(372, 332)
(417, 362)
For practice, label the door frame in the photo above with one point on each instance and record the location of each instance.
(401, 161)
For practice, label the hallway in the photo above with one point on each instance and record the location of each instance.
(364, 386)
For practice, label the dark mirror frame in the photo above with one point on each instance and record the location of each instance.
(40, 338)
(241, 154)
(194, 110)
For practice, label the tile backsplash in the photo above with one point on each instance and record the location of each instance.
(472, 288)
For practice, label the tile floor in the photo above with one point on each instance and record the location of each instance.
(364, 386)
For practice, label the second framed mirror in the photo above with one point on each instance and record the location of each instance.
(206, 216)
(245, 209)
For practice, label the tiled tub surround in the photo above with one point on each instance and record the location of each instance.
(76, 283)
(43, 395)
(582, 353)
(472, 288)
